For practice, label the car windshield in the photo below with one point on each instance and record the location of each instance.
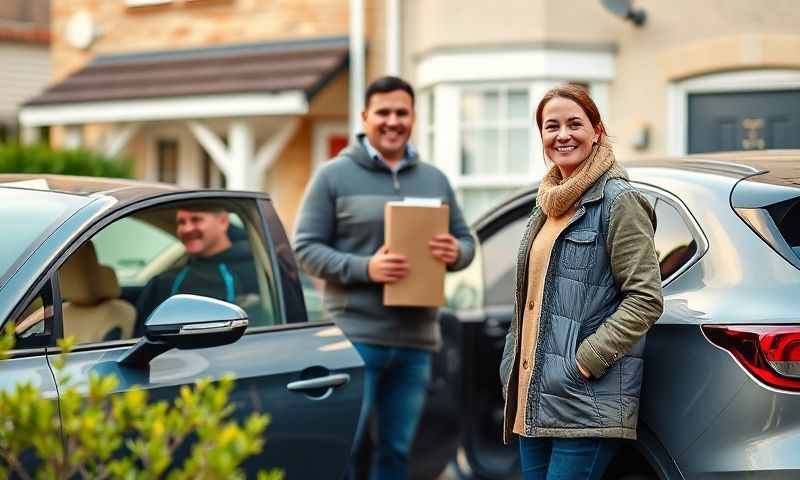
(28, 217)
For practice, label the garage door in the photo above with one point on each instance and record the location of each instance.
(744, 121)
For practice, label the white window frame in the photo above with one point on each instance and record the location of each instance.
(447, 74)
(730, 82)
(146, 3)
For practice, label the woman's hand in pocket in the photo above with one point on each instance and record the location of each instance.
(585, 373)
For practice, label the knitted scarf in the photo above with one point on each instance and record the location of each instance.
(557, 194)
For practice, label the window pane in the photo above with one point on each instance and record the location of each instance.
(480, 107)
(674, 242)
(477, 201)
(31, 215)
(500, 254)
(167, 156)
(130, 263)
(479, 152)
(518, 108)
(519, 150)
(34, 324)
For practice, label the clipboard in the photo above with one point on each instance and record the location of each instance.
(409, 226)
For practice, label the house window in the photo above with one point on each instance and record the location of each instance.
(495, 145)
(212, 175)
(167, 158)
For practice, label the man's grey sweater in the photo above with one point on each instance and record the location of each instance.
(340, 227)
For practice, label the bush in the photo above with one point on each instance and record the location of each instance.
(40, 158)
(122, 436)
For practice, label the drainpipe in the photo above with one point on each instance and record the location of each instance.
(392, 12)
(357, 73)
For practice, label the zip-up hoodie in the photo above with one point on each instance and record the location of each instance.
(229, 275)
(340, 227)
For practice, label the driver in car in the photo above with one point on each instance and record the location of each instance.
(216, 267)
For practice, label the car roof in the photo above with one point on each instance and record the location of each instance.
(124, 190)
(776, 167)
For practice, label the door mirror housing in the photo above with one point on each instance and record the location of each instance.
(191, 321)
(187, 322)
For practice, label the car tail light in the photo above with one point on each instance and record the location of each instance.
(771, 353)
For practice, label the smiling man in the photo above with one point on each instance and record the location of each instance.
(215, 266)
(339, 238)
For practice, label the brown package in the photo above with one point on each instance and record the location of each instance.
(408, 229)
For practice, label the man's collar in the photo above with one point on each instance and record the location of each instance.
(377, 157)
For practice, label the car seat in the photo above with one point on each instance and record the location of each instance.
(93, 311)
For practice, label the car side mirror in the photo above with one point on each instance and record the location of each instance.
(187, 322)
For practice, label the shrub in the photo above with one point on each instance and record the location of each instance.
(94, 434)
(40, 158)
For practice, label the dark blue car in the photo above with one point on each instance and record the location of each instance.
(76, 254)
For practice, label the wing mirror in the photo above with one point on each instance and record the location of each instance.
(186, 322)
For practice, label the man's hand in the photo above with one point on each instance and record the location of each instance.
(445, 248)
(385, 267)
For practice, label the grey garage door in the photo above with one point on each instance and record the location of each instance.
(744, 121)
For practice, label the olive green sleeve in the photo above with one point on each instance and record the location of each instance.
(634, 264)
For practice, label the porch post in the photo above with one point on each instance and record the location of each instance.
(118, 138)
(357, 68)
(241, 146)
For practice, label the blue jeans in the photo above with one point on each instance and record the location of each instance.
(565, 458)
(395, 383)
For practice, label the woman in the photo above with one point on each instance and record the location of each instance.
(588, 289)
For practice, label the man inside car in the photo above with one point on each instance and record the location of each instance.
(216, 266)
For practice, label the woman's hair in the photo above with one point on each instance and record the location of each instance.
(578, 95)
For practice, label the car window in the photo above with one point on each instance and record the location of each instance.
(33, 325)
(675, 244)
(500, 263)
(114, 281)
(137, 263)
(312, 293)
(32, 214)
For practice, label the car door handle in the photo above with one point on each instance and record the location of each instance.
(335, 380)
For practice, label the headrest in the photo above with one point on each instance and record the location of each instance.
(84, 281)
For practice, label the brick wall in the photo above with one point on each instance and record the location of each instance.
(195, 23)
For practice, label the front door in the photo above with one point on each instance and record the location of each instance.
(744, 121)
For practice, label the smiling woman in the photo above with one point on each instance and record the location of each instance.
(588, 288)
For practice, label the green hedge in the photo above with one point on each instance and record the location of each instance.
(18, 158)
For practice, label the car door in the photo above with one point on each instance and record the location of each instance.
(27, 361)
(306, 376)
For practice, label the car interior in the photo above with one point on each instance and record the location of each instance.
(93, 310)
(101, 281)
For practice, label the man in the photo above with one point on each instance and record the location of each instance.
(216, 267)
(339, 238)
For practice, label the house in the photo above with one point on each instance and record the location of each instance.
(24, 44)
(693, 77)
(254, 93)
(245, 94)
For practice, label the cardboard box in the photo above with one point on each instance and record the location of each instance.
(409, 226)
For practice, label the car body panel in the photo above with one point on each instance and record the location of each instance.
(263, 364)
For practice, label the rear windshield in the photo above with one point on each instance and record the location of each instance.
(786, 216)
(28, 217)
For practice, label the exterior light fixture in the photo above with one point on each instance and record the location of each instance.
(624, 9)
